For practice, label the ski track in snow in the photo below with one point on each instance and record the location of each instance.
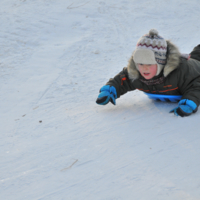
(55, 142)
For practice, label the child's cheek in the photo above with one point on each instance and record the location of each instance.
(140, 70)
(154, 70)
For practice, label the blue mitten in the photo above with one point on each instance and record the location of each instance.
(107, 93)
(185, 108)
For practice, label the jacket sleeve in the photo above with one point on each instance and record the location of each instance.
(121, 82)
(189, 81)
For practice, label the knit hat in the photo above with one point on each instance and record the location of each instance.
(151, 49)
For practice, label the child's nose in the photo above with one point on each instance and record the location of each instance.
(146, 67)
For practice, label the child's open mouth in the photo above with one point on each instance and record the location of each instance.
(146, 74)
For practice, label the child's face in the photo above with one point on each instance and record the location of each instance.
(147, 71)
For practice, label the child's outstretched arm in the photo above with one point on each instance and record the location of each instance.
(189, 81)
(115, 87)
(189, 86)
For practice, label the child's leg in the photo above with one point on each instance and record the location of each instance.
(195, 54)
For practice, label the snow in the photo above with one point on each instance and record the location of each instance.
(55, 141)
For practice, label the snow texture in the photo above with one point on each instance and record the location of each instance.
(55, 141)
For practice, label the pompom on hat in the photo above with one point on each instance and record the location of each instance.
(151, 49)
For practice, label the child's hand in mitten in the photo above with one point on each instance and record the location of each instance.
(107, 93)
(185, 108)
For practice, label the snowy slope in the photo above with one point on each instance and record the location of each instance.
(55, 141)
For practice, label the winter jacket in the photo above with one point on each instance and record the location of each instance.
(179, 77)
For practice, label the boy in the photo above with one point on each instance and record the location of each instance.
(157, 67)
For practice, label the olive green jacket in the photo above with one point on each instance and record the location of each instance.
(179, 77)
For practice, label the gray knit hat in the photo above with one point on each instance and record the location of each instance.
(151, 49)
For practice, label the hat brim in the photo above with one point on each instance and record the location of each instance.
(144, 56)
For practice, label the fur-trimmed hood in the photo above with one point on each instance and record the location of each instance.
(173, 60)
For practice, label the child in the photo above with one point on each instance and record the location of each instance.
(157, 67)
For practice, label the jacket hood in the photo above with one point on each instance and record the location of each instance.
(173, 60)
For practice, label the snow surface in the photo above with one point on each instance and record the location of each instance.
(55, 141)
